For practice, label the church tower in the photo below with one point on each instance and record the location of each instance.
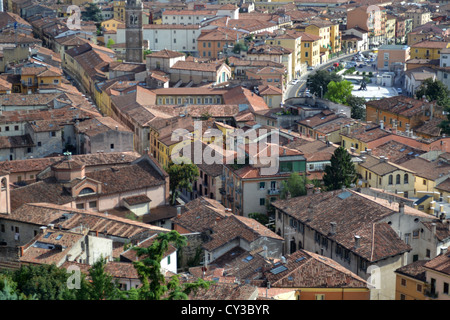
(133, 33)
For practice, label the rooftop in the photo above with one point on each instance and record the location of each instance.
(354, 214)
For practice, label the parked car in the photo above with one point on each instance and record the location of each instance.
(295, 81)
(399, 90)
(310, 68)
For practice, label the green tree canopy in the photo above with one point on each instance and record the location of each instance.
(434, 90)
(44, 282)
(339, 92)
(341, 172)
(154, 284)
(357, 105)
(102, 285)
(295, 186)
(239, 47)
(92, 13)
(321, 79)
(110, 43)
(181, 177)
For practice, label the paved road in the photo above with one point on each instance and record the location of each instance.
(297, 89)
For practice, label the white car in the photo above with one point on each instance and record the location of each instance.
(295, 81)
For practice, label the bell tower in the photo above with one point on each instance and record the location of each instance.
(133, 33)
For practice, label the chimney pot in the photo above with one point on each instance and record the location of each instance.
(357, 241)
(333, 228)
(433, 228)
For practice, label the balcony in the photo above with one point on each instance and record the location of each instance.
(273, 192)
(432, 294)
(29, 84)
(222, 191)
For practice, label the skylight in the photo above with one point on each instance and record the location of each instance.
(48, 235)
(344, 195)
(59, 237)
(278, 270)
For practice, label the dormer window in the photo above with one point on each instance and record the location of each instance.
(86, 191)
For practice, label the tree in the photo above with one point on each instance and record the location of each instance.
(181, 177)
(321, 79)
(102, 285)
(341, 172)
(238, 47)
(434, 90)
(44, 282)
(110, 43)
(295, 186)
(260, 217)
(339, 92)
(358, 107)
(154, 285)
(92, 13)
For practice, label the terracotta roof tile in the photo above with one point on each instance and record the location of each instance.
(377, 239)
(414, 270)
(440, 264)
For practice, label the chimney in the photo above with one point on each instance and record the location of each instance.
(433, 228)
(332, 228)
(43, 229)
(309, 189)
(381, 124)
(178, 211)
(357, 241)
(51, 226)
(443, 250)
(401, 207)
(369, 151)
(21, 251)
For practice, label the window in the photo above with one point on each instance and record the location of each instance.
(112, 145)
(391, 178)
(80, 205)
(262, 185)
(428, 253)
(402, 296)
(416, 234)
(2, 228)
(53, 134)
(262, 201)
(445, 289)
(92, 204)
(403, 282)
(406, 179)
(397, 179)
(86, 191)
(320, 297)
(424, 182)
(419, 287)
(16, 128)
